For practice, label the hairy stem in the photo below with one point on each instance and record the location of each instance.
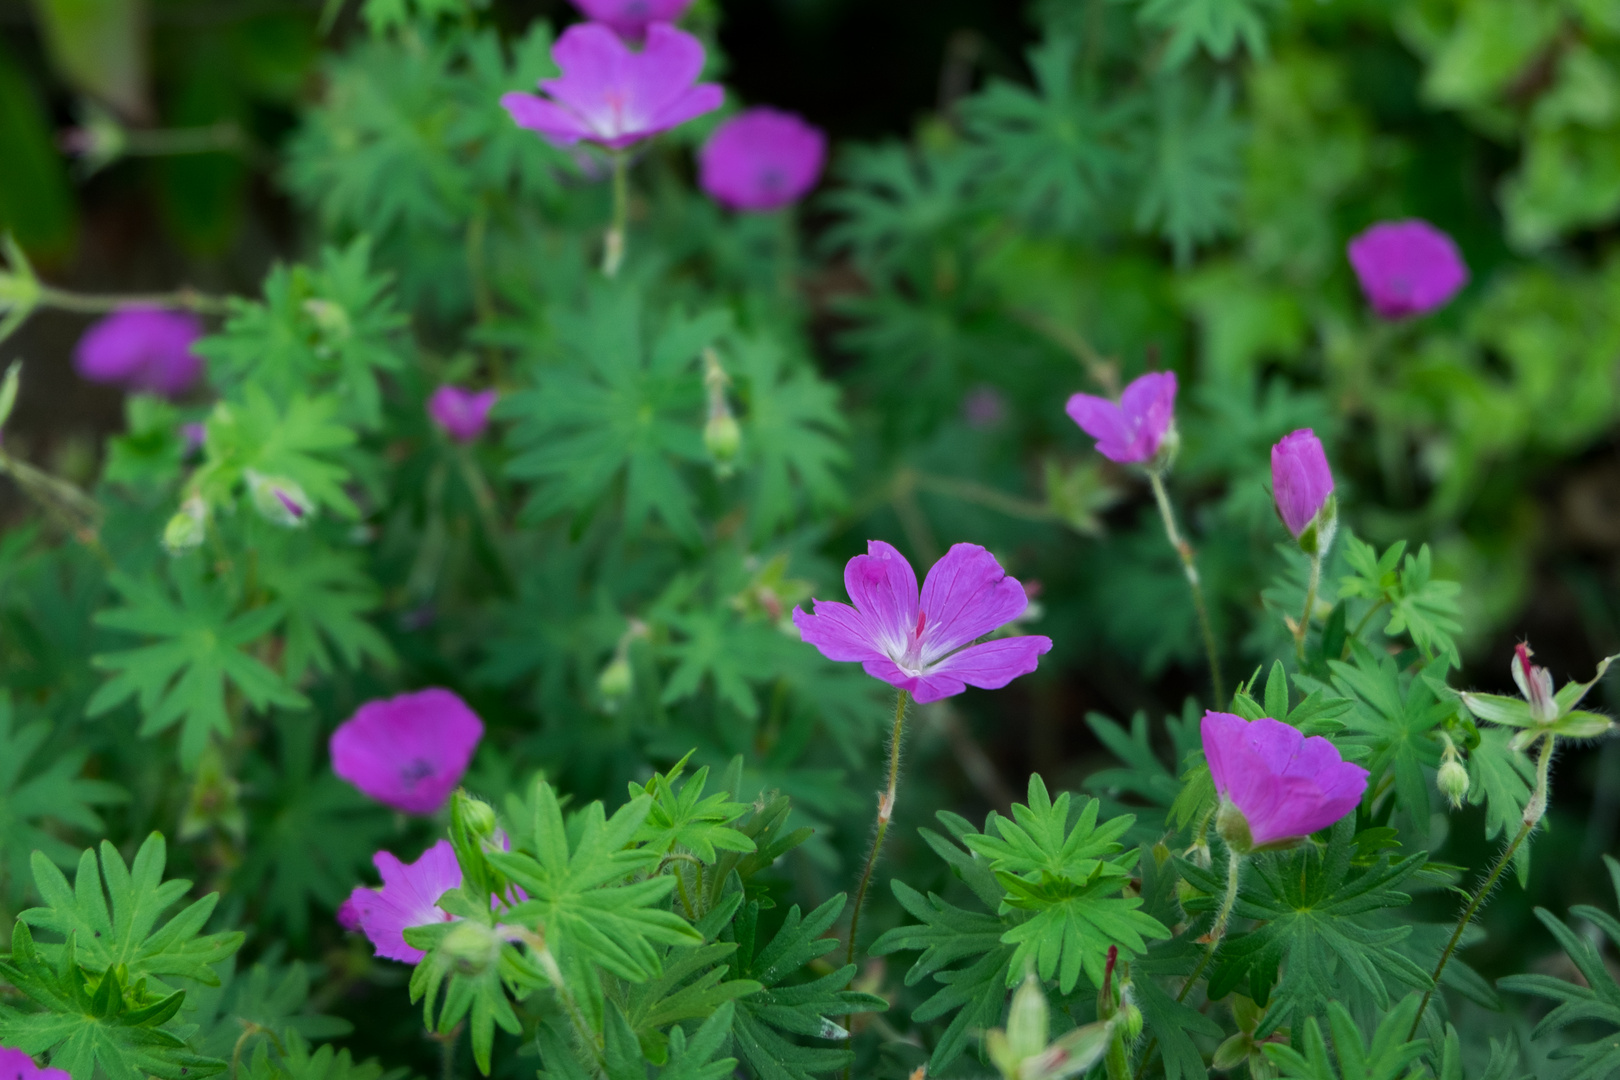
(1189, 564)
(1533, 812)
(1234, 867)
(187, 299)
(884, 814)
(1310, 604)
(613, 246)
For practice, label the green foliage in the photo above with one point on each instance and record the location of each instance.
(1386, 1057)
(1421, 607)
(1216, 26)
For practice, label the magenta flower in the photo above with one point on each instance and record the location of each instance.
(925, 647)
(1301, 481)
(630, 18)
(1134, 429)
(348, 912)
(409, 897)
(1407, 267)
(1284, 785)
(17, 1065)
(461, 414)
(762, 159)
(612, 95)
(408, 752)
(141, 348)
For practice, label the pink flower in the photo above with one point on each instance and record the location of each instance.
(925, 646)
(408, 752)
(461, 414)
(409, 897)
(1407, 267)
(630, 18)
(348, 912)
(1134, 429)
(1300, 479)
(1284, 785)
(17, 1065)
(611, 95)
(142, 348)
(762, 159)
(1536, 684)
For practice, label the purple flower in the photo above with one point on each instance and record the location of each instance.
(762, 159)
(142, 348)
(409, 897)
(462, 414)
(408, 752)
(919, 646)
(1134, 429)
(193, 435)
(1407, 267)
(611, 95)
(348, 912)
(17, 1065)
(1300, 479)
(630, 18)
(1284, 785)
(984, 407)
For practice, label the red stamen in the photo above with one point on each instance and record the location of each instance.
(922, 619)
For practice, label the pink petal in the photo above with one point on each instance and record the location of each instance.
(922, 688)
(700, 99)
(884, 589)
(665, 70)
(409, 897)
(838, 630)
(1102, 420)
(994, 664)
(965, 596)
(556, 123)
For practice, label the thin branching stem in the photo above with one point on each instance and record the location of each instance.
(1189, 564)
(1310, 605)
(186, 299)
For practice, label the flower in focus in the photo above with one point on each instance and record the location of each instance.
(611, 95)
(1407, 267)
(1542, 709)
(141, 348)
(461, 414)
(1301, 481)
(409, 897)
(17, 1065)
(630, 18)
(762, 159)
(1134, 429)
(1275, 784)
(924, 645)
(408, 752)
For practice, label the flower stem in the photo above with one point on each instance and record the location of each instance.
(187, 299)
(613, 246)
(884, 814)
(1234, 866)
(1533, 813)
(1189, 564)
(1310, 604)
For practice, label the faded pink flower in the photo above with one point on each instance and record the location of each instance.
(142, 348)
(1284, 785)
(924, 644)
(630, 18)
(461, 414)
(1132, 430)
(408, 752)
(612, 95)
(409, 897)
(1407, 267)
(762, 159)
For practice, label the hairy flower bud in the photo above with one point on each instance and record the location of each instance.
(722, 436)
(279, 500)
(477, 815)
(1453, 781)
(188, 528)
(616, 680)
(1302, 485)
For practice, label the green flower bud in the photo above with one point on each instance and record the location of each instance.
(1027, 1019)
(1453, 781)
(471, 947)
(1130, 1019)
(616, 680)
(279, 500)
(188, 528)
(477, 815)
(722, 436)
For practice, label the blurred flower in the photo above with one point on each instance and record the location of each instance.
(1301, 481)
(630, 18)
(762, 159)
(348, 912)
(142, 348)
(611, 95)
(1407, 267)
(984, 407)
(919, 647)
(279, 500)
(408, 752)
(409, 897)
(188, 528)
(461, 414)
(1135, 429)
(193, 435)
(1275, 784)
(16, 1065)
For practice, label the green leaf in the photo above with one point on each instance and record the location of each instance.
(324, 595)
(294, 440)
(1395, 718)
(1193, 175)
(686, 819)
(1385, 1058)
(1502, 778)
(300, 1063)
(1426, 609)
(1216, 26)
(181, 678)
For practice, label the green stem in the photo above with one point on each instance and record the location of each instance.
(1234, 866)
(884, 814)
(1310, 605)
(1533, 811)
(1189, 565)
(1365, 619)
(188, 299)
(613, 246)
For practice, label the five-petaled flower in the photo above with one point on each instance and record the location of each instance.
(630, 18)
(409, 897)
(762, 159)
(1133, 430)
(1407, 267)
(612, 95)
(142, 348)
(1301, 482)
(1275, 785)
(924, 644)
(408, 752)
(461, 414)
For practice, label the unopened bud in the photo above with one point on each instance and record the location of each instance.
(1027, 1020)
(330, 318)
(188, 528)
(722, 436)
(471, 946)
(1234, 828)
(279, 500)
(1130, 1021)
(1453, 781)
(477, 815)
(616, 679)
